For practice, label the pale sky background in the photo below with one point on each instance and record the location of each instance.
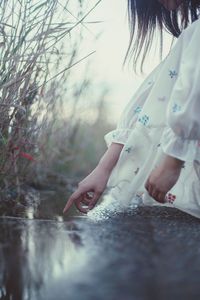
(111, 46)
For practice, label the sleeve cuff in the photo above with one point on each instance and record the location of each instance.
(176, 146)
(117, 136)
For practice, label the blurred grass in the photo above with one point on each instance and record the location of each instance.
(73, 152)
(41, 133)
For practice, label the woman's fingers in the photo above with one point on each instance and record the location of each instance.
(75, 196)
(161, 197)
(82, 199)
(149, 188)
(146, 185)
(90, 204)
(94, 200)
(80, 207)
(86, 199)
(85, 202)
(155, 193)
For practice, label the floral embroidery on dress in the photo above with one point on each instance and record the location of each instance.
(136, 171)
(128, 149)
(172, 73)
(170, 198)
(138, 109)
(144, 119)
(114, 135)
(176, 108)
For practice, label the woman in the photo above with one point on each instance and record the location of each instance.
(154, 153)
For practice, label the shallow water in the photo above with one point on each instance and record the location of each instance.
(142, 253)
(39, 248)
(36, 255)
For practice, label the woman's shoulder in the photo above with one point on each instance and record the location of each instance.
(189, 36)
(191, 28)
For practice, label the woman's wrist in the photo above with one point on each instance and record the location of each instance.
(171, 161)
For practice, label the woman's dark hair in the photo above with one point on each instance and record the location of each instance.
(147, 15)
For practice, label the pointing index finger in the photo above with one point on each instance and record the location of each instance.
(71, 200)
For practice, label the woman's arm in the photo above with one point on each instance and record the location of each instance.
(95, 182)
(110, 157)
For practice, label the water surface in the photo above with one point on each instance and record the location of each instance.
(144, 253)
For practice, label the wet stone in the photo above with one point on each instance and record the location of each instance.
(147, 253)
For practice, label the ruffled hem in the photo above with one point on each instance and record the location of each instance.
(176, 146)
(117, 136)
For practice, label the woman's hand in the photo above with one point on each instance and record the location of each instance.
(96, 181)
(94, 184)
(163, 178)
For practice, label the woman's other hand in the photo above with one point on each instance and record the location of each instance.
(163, 178)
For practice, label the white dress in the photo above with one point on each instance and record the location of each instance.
(163, 117)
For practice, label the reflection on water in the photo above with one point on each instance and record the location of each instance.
(36, 255)
(46, 204)
(45, 254)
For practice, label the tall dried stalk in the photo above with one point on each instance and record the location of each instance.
(34, 35)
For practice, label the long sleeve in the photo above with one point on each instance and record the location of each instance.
(129, 115)
(181, 138)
